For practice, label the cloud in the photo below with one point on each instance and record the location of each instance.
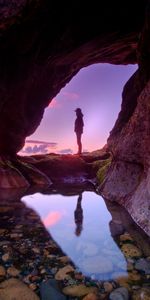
(35, 149)
(71, 95)
(38, 147)
(54, 103)
(65, 96)
(66, 151)
(52, 218)
(49, 144)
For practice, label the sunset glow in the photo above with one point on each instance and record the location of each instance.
(52, 218)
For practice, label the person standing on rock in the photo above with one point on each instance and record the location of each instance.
(78, 128)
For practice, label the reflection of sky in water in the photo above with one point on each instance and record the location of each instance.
(94, 250)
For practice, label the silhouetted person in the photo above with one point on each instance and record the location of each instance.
(78, 128)
(78, 216)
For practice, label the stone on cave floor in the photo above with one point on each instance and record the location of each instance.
(50, 290)
(141, 294)
(79, 290)
(131, 250)
(15, 289)
(119, 294)
(143, 264)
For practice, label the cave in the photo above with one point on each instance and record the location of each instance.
(43, 45)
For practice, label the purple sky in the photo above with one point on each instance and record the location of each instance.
(97, 91)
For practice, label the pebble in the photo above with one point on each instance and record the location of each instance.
(6, 257)
(131, 250)
(119, 294)
(141, 294)
(12, 271)
(125, 237)
(130, 266)
(143, 265)
(108, 287)
(64, 259)
(79, 276)
(36, 250)
(33, 286)
(2, 271)
(2, 231)
(43, 271)
(134, 276)
(15, 289)
(16, 235)
(91, 296)
(79, 290)
(63, 272)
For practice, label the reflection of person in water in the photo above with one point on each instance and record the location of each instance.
(78, 216)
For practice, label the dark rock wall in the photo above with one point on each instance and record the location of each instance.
(43, 44)
(127, 180)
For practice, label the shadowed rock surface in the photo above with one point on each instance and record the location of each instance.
(39, 55)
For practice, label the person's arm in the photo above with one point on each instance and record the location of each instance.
(75, 125)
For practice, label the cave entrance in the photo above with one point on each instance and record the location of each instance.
(97, 89)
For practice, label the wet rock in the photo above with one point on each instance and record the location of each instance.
(43, 271)
(6, 257)
(130, 266)
(79, 276)
(79, 290)
(108, 287)
(119, 294)
(50, 290)
(12, 178)
(4, 243)
(2, 231)
(125, 237)
(136, 287)
(64, 259)
(63, 272)
(130, 250)
(143, 265)
(2, 271)
(91, 296)
(12, 271)
(36, 250)
(15, 289)
(16, 235)
(133, 276)
(6, 209)
(121, 279)
(141, 294)
(33, 286)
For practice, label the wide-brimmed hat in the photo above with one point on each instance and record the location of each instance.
(78, 110)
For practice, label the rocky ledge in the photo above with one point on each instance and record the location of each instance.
(51, 169)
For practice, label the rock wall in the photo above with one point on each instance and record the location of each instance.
(43, 44)
(127, 180)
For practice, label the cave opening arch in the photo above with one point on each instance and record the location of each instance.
(97, 89)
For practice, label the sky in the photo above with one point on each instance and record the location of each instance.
(97, 90)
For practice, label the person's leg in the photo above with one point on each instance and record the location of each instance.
(79, 143)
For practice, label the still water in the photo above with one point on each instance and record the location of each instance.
(82, 226)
